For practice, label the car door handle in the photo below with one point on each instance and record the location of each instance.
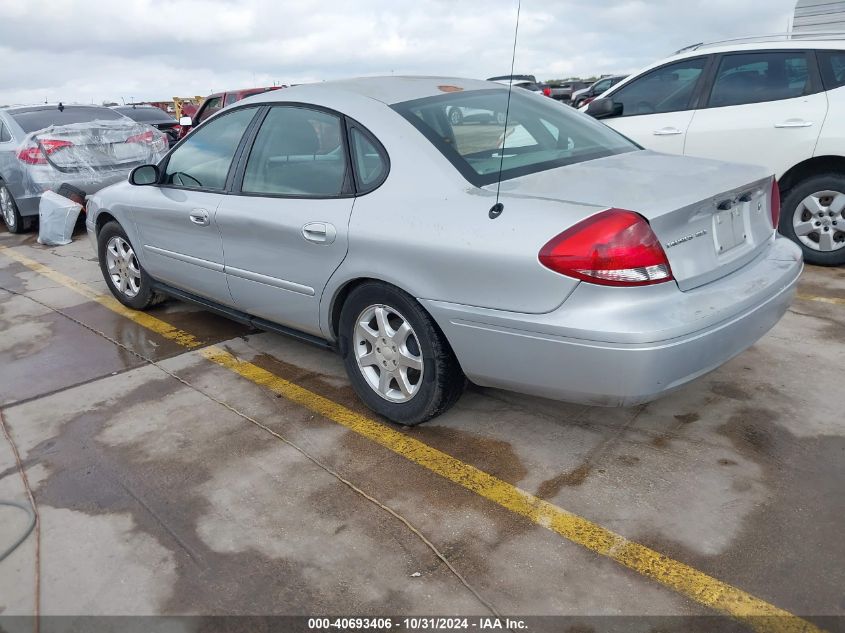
(200, 217)
(667, 131)
(319, 232)
(794, 123)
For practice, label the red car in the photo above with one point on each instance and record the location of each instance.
(217, 101)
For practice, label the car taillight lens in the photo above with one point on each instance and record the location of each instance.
(613, 248)
(547, 91)
(144, 137)
(775, 204)
(34, 154)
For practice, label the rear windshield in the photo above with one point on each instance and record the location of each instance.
(146, 115)
(541, 133)
(34, 120)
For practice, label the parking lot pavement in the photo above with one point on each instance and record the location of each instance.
(239, 474)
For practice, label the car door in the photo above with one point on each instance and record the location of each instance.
(763, 107)
(182, 245)
(657, 107)
(285, 227)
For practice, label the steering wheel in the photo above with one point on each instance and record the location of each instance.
(183, 178)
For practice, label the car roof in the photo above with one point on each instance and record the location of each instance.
(388, 90)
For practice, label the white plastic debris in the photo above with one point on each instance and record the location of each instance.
(57, 216)
(416, 574)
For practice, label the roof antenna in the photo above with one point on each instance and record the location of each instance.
(496, 209)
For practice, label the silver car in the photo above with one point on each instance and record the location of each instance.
(352, 214)
(45, 146)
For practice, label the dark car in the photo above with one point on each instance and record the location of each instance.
(154, 116)
(602, 85)
(563, 91)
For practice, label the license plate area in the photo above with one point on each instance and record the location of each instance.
(729, 228)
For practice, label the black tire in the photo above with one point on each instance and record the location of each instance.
(146, 296)
(456, 117)
(441, 383)
(12, 218)
(830, 181)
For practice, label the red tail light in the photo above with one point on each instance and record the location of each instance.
(144, 137)
(613, 248)
(547, 91)
(775, 204)
(33, 154)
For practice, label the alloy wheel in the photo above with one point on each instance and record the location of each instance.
(819, 221)
(123, 267)
(388, 353)
(7, 207)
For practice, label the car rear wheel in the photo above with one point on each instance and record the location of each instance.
(500, 118)
(456, 117)
(813, 216)
(398, 361)
(125, 277)
(9, 210)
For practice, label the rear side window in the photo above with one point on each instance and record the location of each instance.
(35, 120)
(297, 152)
(759, 77)
(5, 135)
(203, 159)
(832, 64)
(666, 89)
(370, 167)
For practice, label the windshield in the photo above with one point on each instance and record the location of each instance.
(468, 128)
(32, 120)
(147, 115)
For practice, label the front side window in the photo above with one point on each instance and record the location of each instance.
(203, 159)
(541, 134)
(666, 89)
(212, 105)
(601, 86)
(833, 68)
(297, 152)
(758, 77)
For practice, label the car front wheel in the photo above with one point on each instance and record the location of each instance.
(125, 277)
(813, 216)
(398, 361)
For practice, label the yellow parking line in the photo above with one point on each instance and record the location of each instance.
(141, 318)
(687, 581)
(832, 300)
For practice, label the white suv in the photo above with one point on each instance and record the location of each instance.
(777, 101)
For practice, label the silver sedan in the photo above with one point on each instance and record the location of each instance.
(549, 256)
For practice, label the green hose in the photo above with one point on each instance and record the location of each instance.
(28, 509)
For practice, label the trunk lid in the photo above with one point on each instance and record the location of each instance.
(711, 217)
(99, 146)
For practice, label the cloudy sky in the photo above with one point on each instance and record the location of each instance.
(95, 50)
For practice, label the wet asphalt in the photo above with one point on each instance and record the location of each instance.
(156, 499)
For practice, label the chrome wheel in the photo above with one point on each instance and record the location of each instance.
(819, 221)
(7, 207)
(388, 353)
(123, 267)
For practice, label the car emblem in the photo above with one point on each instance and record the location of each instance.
(686, 238)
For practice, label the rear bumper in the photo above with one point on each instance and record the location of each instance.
(36, 185)
(623, 346)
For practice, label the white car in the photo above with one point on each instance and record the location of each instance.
(777, 101)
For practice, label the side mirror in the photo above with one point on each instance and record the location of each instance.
(144, 175)
(186, 121)
(604, 108)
